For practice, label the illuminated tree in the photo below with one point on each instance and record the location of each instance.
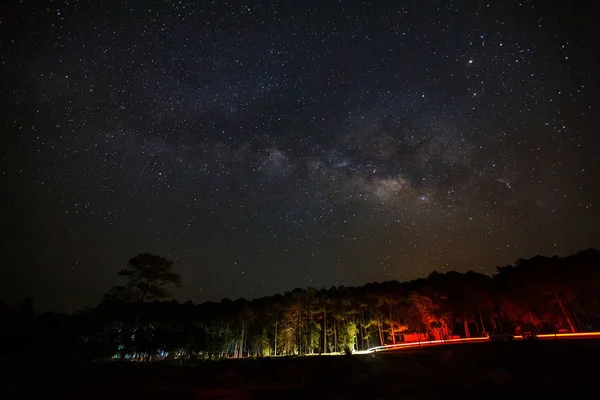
(347, 337)
(433, 319)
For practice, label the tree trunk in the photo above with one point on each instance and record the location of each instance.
(499, 324)
(241, 351)
(482, 324)
(576, 320)
(298, 333)
(466, 325)
(310, 324)
(362, 337)
(324, 332)
(565, 313)
(275, 349)
(335, 336)
(392, 327)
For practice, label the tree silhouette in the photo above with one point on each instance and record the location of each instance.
(539, 295)
(148, 277)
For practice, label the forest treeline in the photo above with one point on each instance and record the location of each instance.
(539, 295)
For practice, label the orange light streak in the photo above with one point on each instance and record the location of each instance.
(565, 335)
(581, 335)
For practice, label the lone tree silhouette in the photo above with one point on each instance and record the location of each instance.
(148, 277)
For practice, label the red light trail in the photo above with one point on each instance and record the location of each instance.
(583, 335)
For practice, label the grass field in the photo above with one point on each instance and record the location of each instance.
(520, 369)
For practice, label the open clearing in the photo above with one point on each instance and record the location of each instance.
(544, 369)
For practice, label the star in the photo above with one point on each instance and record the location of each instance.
(260, 151)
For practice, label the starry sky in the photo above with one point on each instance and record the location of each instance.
(270, 145)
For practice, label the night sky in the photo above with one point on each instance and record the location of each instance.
(268, 146)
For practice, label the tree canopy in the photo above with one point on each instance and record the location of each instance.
(148, 277)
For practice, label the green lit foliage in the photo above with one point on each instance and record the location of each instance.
(347, 337)
(286, 341)
(261, 344)
(313, 336)
(219, 340)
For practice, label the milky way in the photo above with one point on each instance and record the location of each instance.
(270, 146)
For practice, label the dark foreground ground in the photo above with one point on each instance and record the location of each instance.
(537, 370)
